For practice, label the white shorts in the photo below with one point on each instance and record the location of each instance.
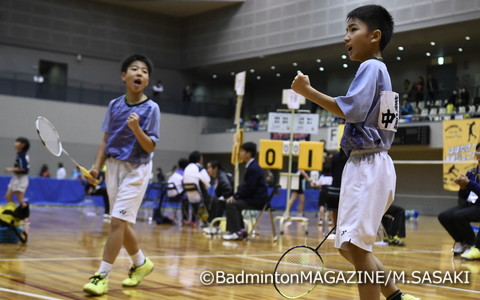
(126, 186)
(368, 188)
(18, 183)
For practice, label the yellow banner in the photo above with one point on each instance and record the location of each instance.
(459, 140)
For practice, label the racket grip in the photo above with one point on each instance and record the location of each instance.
(87, 174)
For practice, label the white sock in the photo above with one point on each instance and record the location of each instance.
(138, 259)
(104, 268)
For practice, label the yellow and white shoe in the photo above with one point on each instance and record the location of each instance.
(136, 274)
(97, 286)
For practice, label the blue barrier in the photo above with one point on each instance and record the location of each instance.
(50, 191)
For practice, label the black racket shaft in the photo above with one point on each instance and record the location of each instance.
(325, 238)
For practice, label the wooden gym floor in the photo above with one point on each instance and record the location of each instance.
(65, 247)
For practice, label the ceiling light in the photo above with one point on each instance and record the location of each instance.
(319, 60)
(272, 67)
(321, 69)
(232, 73)
(400, 48)
(440, 60)
(432, 43)
(252, 70)
(278, 74)
(427, 54)
(345, 66)
(460, 49)
(344, 56)
(399, 58)
(259, 77)
(467, 38)
(294, 64)
(214, 76)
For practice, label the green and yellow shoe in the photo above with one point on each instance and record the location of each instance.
(471, 254)
(136, 274)
(97, 286)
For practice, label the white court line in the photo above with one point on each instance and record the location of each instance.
(28, 294)
(330, 269)
(196, 256)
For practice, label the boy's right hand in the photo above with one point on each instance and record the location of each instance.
(94, 173)
(301, 84)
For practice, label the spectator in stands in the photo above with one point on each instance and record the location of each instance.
(76, 173)
(407, 108)
(61, 172)
(196, 173)
(44, 172)
(432, 87)
(407, 90)
(464, 97)
(223, 183)
(157, 90)
(417, 89)
(457, 220)
(187, 93)
(252, 193)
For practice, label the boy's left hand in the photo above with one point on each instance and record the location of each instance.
(133, 121)
(300, 83)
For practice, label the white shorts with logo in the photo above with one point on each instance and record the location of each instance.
(368, 189)
(126, 186)
(18, 183)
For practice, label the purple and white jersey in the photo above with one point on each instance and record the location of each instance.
(361, 107)
(122, 143)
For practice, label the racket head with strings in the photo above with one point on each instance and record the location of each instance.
(51, 140)
(297, 260)
(49, 135)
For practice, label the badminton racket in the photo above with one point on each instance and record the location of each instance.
(298, 260)
(51, 140)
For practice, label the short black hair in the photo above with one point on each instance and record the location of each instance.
(478, 146)
(25, 142)
(127, 61)
(215, 164)
(376, 17)
(195, 157)
(183, 163)
(250, 148)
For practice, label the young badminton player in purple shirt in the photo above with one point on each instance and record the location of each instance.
(132, 130)
(370, 109)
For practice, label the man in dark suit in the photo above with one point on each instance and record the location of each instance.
(252, 193)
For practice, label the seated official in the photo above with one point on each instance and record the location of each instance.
(223, 183)
(178, 194)
(195, 173)
(456, 220)
(252, 193)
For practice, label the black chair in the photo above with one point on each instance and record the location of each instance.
(150, 201)
(175, 201)
(266, 207)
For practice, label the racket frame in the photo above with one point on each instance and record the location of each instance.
(306, 247)
(84, 171)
